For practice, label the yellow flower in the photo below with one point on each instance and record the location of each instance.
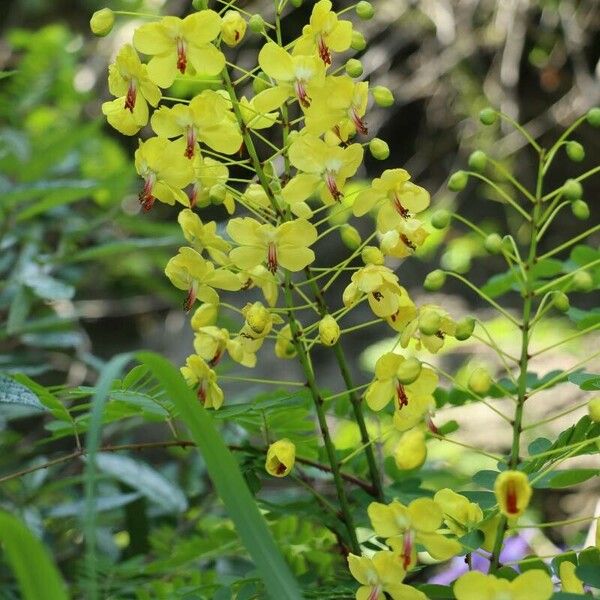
(379, 575)
(284, 345)
(397, 198)
(460, 515)
(128, 80)
(405, 526)
(324, 33)
(203, 236)
(205, 314)
(432, 341)
(329, 330)
(197, 373)
(281, 456)
(261, 277)
(198, 276)
(404, 239)
(211, 342)
(178, 44)
(209, 175)
(411, 450)
(286, 245)
(531, 585)
(233, 28)
(295, 75)
(513, 493)
(259, 118)
(570, 582)
(207, 118)
(164, 170)
(323, 168)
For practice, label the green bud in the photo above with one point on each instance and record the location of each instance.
(296, 3)
(429, 321)
(102, 22)
(594, 409)
(477, 161)
(464, 329)
(365, 10)
(582, 281)
(434, 280)
(200, 4)
(379, 149)
(575, 151)
(354, 67)
(593, 117)
(329, 331)
(350, 236)
(458, 181)
(218, 193)
(260, 83)
(409, 371)
(488, 116)
(371, 255)
(572, 189)
(358, 41)
(256, 23)
(561, 302)
(493, 243)
(580, 209)
(440, 219)
(480, 381)
(383, 96)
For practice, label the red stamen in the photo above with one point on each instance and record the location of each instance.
(280, 470)
(431, 425)
(403, 212)
(181, 56)
(332, 186)
(190, 137)
(359, 123)
(324, 52)
(216, 358)
(301, 93)
(375, 592)
(202, 393)
(189, 299)
(193, 195)
(145, 196)
(511, 498)
(407, 545)
(131, 96)
(401, 395)
(407, 242)
(272, 257)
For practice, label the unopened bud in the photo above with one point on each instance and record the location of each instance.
(580, 209)
(256, 23)
(561, 302)
(350, 236)
(233, 28)
(205, 315)
(477, 161)
(329, 330)
(572, 189)
(365, 10)
(594, 409)
(379, 149)
(371, 255)
(429, 321)
(488, 116)
(458, 181)
(582, 281)
(480, 381)
(296, 3)
(575, 151)
(358, 41)
(354, 67)
(411, 451)
(217, 193)
(102, 22)
(434, 280)
(257, 318)
(409, 370)
(464, 329)
(383, 96)
(593, 118)
(440, 219)
(493, 243)
(281, 456)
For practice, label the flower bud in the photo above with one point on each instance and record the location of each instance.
(261, 82)
(594, 409)
(561, 302)
(480, 381)
(256, 23)
(350, 236)
(575, 151)
(102, 22)
(513, 493)
(458, 181)
(434, 280)
(217, 193)
(365, 10)
(409, 370)
(281, 456)
(200, 4)
(296, 3)
(477, 161)
(572, 189)
(329, 331)
(493, 243)
(411, 451)
(488, 116)
(429, 321)
(383, 96)
(358, 41)
(354, 67)
(257, 318)
(379, 149)
(580, 209)
(440, 219)
(464, 329)
(371, 255)
(284, 346)
(206, 314)
(593, 117)
(582, 281)
(233, 28)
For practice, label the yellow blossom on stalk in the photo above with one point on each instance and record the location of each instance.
(181, 46)
(208, 174)
(259, 321)
(207, 119)
(286, 245)
(261, 277)
(329, 331)
(165, 172)
(128, 80)
(322, 168)
(284, 344)
(203, 236)
(570, 582)
(460, 515)
(324, 33)
(404, 239)
(205, 314)
(211, 343)
(379, 575)
(296, 76)
(281, 456)
(406, 526)
(411, 450)
(432, 341)
(190, 272)
(197, 373)
(386, 297)
(513, 492)
(339, 105)
(233, 28)
(531, 585)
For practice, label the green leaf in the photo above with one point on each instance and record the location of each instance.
(586, 381)
(122, 247)
(569, 596)
(13, 392)
(485, 478)
(30, 562)
(567, 478)
(589, 574)
(433, 590)
(144, 479)
(229, 482)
